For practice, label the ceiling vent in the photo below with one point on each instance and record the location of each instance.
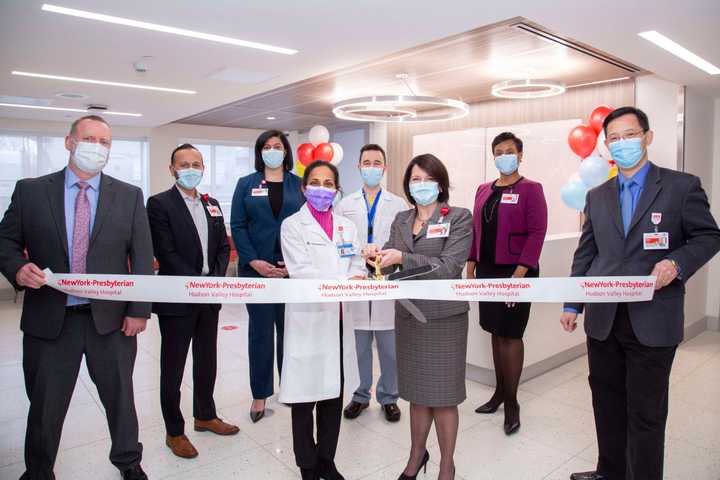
(96, 108)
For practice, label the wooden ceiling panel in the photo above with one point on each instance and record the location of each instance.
(464, 66)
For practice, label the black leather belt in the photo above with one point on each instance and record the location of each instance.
(83, 307)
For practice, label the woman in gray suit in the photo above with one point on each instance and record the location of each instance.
(431, 356)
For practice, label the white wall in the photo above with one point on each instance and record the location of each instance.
(659, 99)
(713, 297)
(699, 139)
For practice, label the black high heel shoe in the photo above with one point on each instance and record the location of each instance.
(488, 407)
(513, 425)
(256, 416)
(423, 467)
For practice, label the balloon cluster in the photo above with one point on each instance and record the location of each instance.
(597, 166)
(319, 148)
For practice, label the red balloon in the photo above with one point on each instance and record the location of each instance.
(323, 151)
(582, 140)
(597, 117)
(305, 153)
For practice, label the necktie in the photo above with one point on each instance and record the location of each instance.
(81, 230)
(627, 204)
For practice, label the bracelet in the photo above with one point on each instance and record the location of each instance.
(675, 266)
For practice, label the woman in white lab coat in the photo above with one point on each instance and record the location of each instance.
(319, 361)
(372, 209)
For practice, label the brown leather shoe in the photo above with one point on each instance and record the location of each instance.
(181, 446)
(215, 426)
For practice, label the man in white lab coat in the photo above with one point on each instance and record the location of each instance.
(372, 209)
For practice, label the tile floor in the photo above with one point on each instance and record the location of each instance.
(557, 436)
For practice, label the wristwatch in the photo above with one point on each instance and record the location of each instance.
(677, 268)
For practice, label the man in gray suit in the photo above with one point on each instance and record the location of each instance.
(77, 220)
(648, 221)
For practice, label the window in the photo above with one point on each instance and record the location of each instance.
(225, 163)
(24, 155)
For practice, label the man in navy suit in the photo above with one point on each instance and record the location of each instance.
(189, 239)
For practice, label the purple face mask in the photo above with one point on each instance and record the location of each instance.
(321, 198)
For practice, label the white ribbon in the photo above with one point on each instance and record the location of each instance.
(151, 288)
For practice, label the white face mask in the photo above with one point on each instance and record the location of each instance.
(91, 158)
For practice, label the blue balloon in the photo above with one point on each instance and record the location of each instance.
(573, 194)
(594, 171)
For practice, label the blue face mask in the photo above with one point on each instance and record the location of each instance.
(627, 153)
(424, 193)
(189, 178)
(507, 164)
(372, 175)
(273, 158)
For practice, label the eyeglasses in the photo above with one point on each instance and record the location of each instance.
(273, 147)
(627, 135)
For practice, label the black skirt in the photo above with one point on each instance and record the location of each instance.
(496, 317)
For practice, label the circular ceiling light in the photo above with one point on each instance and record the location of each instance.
(528, 88)
(400, 109)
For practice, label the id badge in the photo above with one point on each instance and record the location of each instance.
(510, 198)
(259, 192)
(214, 211)
(438, 230)
(656, 241)
(346, 250)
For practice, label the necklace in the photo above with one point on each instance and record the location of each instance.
(492, 211)
(422, 221)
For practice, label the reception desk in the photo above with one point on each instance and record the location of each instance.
(547, 345)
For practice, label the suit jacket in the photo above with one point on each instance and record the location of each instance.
(603, 250)
(521, 226)
(119, 244)
(255, 230)
(448, 253)
(177, 246)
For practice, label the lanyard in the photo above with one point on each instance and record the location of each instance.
(371, 214)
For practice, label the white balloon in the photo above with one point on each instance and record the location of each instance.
(319, 134)
(594, 171)
(337, 153)
(600, 148)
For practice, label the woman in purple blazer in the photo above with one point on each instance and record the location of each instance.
(509, 226)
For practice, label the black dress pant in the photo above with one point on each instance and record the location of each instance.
(629, 383)
(51, 368)
(329, 415)
(309, 453)
(200, 327)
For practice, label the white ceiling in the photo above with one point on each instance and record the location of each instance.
(329, 34)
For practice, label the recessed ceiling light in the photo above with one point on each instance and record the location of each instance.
(270, 118)
(599, 82)
(103, 82)
(165, 29)
(679, 51)
(63, 109)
